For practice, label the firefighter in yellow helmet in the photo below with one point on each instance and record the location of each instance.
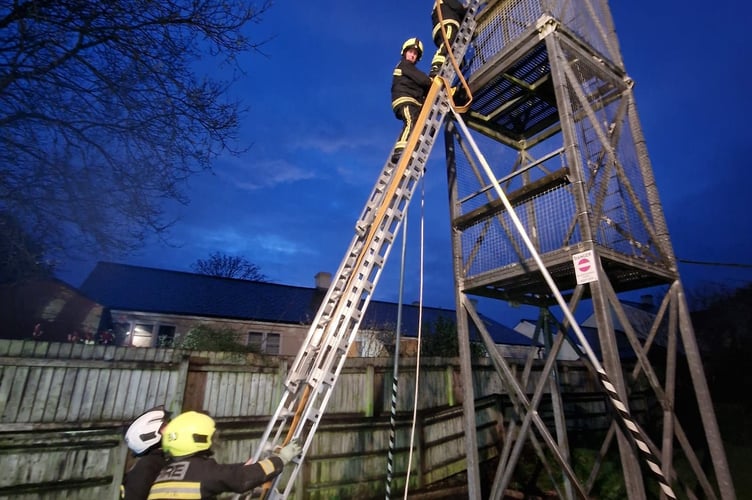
(191, 472)
(409, 88)
(452, 14)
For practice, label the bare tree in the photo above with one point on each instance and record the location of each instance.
(104, 112)
(229, 266)
(21, 256)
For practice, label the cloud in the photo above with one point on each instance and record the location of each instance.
(263, 174)
(249, 243)
(335, 143)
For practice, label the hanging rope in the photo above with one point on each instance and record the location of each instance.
(420, 335)
(395, 373)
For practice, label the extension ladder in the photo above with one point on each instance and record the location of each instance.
(317, 366)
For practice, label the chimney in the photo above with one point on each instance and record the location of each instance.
(323, 280)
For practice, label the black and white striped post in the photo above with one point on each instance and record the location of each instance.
(395, 372)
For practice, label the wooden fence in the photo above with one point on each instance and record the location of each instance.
(64, 408)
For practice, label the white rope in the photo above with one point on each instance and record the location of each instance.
(420, 334)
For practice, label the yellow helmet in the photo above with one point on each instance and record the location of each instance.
(188, 433)
(413, 43)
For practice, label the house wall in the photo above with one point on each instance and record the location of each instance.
(55, 307)
(290, 336)
(64, 408)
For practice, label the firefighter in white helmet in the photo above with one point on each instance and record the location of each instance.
(409, 88)
(191, 472)
(144, 439)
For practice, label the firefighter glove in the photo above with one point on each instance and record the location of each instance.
(287, 452)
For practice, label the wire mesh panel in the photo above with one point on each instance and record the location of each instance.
(617, 197)
(540, 193)
(504, 22)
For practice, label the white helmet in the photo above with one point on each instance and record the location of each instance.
(144, 432)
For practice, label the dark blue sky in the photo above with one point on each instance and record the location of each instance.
(321, 127)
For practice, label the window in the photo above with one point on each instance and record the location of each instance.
(256, 341)
(145, 334)
(272, 343)
(265, 343)
(166, 336)
(142, 335)
(122, 330)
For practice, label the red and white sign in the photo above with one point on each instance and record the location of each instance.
(584, 267)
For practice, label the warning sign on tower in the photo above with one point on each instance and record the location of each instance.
(584, 267)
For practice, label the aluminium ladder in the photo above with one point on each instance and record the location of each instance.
(317, 366)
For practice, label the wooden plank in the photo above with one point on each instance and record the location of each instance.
(229, 406)
(41, 349)
(42, 396)
(120, 409)
(6, 385)
(76, 351)
(67, 385)
(15, 395)
(151, 389)
(99, 397)
(128, 410)
(53, 350)
(15, 347)
(236, 410)
(253, 399)
(195, 391)
(28, 347)
(30, 392)
(53, 395)
(90, 389)
(77, 395)
(163, 386)
(241, 398)
(225, 393)
(210, 393)
(141, 401)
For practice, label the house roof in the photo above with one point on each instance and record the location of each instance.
(641, 317)
(144, 289)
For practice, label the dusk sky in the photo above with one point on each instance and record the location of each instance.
(320, 127)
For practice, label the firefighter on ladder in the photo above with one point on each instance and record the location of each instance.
(452, 13)
(409, 88)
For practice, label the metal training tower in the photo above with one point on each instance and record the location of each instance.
(569, 212)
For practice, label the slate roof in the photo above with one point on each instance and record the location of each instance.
(162, 291)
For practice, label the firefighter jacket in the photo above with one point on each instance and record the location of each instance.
(409, 85)
(201, 477)
(138, 479)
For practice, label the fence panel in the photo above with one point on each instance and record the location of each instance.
(64, 407)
